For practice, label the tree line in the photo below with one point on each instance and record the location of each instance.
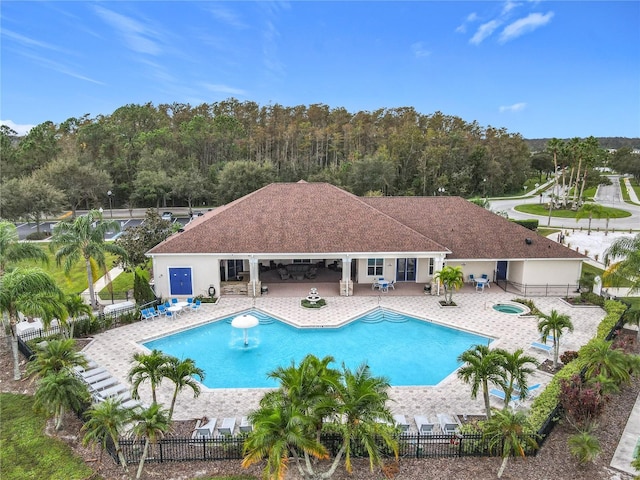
(178, 154)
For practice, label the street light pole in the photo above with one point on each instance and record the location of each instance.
(109, 193)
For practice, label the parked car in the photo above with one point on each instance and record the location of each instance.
(167, 216)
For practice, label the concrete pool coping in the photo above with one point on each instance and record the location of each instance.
(114, 349)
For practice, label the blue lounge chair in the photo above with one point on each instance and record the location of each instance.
(542, 346)
(146, 315)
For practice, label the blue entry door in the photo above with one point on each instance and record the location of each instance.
(180, 281)
(501, 270)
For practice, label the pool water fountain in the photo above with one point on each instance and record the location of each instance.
(245, 322)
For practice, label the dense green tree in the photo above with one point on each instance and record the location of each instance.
(137, 241)
(38, 147)
(372, 173)
(237, 179)
(542, 162)
(553, 326)
(481, 366)
(29, 291)
(83, 240)
(9, 163)
(29, 198)
(517, 367)
(56, 356)
(12, 250)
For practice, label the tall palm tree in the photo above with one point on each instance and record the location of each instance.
(362, 400)
(76, 307)
(181, 373)
(481, 366)
(590, 210)
(554, 146)
(148, 367)
(517, 366)
(107, 420)
(554, 325)
(452, 278)
(627, 249)
(58, 392)
(509, 432)
(83, 238)
(12, 250)
(151, 423)
(54, 357)
(29, 291)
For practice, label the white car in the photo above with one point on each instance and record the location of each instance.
(167, 216)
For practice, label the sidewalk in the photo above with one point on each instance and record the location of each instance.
(101, 283)
(632, 193)
(629, 441)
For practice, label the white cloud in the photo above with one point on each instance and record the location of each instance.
(419, 50)
(136, 35)
(219, 88)
(227, 16)
(524, 25)
(30, 42)
(508, 6)
(485, 30)
(516, 107)
(20, 129)
(472, 17)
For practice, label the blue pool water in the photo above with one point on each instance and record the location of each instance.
(406, 350)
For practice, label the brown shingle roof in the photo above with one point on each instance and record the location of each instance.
(469, 231)
(297, 218)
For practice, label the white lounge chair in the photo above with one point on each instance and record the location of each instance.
(228, 425)
(424, 425)
(401, 422)
(97, 378)
(245, 425)
(101, 385)
(91, 372)
(116, 389)
(206, 430)
(448, 424)
(542, 346)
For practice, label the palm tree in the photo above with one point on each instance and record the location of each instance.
(107, 420)
(517, 366)
(481, 366)
(151, 423)
(554, 325)
(363, 401)
(510, 432)
(599, 358)
(83, 238)
(181, 373)
(590, 210)
(30, 291)
(452, 278)
(625, 270)
(584, 446)
(12, 250)
(279, 432)
(148, 367)
(58, 392)
(554, 146)
(56, 356)
(76, 307)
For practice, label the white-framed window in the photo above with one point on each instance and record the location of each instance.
(431, 264)
(375, 266)
(301, 260)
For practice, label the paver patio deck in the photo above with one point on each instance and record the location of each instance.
(114, 349)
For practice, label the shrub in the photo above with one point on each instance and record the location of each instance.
(86, 326)
(307, 304)
(568, 356)
(584, 446)
(531, 224)
(593, 298)
(528, 303)
(38, 235)
(581, 403)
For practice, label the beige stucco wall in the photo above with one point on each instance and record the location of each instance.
(477, 268)
(204, 272)
(556, 272)
(388, 271)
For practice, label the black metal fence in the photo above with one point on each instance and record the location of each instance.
(538, 290)
(230, 447)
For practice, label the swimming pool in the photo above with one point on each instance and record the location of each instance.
(407, 350)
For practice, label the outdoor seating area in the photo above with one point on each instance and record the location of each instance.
(383, 285)
(517, 398)
(102, 385)
(206, 427)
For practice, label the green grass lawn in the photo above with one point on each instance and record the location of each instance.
(121, 285)
(537, 209)
(26, 452)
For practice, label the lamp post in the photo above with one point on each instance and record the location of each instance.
(109, 193)
(441, 190)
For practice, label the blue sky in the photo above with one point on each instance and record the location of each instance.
(538, 68)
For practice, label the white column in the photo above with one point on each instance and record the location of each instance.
(438, 263)
(346, 274)
(253, 274)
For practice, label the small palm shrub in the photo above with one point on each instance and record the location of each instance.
(584, 446)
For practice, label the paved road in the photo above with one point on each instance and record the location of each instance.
(607, 195)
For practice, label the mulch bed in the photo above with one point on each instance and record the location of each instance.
(552, 462)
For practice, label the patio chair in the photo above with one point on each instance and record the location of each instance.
(206, 430)
(542, 346)
(195, 305)
(227, 427)
(146, 315)
(392, 284)
(424, 425)
(101, 385)
(91, 379)
(85, 374)
(480, 286)
(162, 309)
(448, 424)
(401, 422)
(116, 389)
(472, 278)
(245, 426)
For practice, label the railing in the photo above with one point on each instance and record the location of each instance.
(410, 445)
(538, 290)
